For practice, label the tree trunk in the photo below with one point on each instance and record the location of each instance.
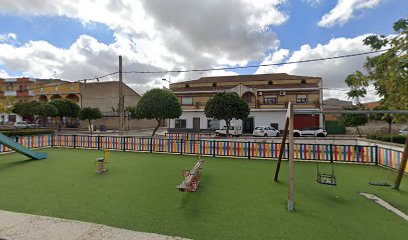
(157, 127)
(90, 126)
(228, 127)
(389, 128)
(359, 133)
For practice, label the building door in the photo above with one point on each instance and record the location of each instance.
(248, 125)
(196, 124)
(305, 120)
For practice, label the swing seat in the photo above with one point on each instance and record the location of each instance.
(328, 179)
(381, 184)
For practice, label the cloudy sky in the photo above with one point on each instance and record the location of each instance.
(76, 39)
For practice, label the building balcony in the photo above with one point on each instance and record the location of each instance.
(259, 105)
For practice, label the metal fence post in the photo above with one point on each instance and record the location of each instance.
(331, 152)
(52, 139)
(249, 150)
(99, 142)
(182, 146)
(74, 136)
(376, 154)
(213, 148)
(124, 143)
(151, 145)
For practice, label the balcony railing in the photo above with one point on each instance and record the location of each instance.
(258, 104)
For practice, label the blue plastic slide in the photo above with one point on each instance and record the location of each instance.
(20, 149)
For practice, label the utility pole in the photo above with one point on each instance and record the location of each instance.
(121, 99)
(291, 180)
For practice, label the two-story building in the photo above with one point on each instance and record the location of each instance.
(267, 95)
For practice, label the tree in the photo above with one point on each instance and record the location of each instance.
(47, 110)
(157, 104)
(353, 119)
(35, 109)
(388, 72)
(226, 106)
(89, 114)
(66, 108)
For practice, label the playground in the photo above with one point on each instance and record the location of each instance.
(236, 199)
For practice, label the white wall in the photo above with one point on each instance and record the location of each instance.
(260, 119)
(4, 118)
(266, 118)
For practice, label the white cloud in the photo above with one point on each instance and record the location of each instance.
(313, 3)
(344, 11)
(333, 72)
(150, 34)
(8, 38)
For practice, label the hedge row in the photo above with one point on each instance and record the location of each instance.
(390, 138)
(25, 132)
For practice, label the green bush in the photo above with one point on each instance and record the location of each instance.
(25, 132)
(388, 138)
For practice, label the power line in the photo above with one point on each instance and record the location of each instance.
(84, 80)
(257, 65)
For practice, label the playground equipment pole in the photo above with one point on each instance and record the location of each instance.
(291, 180)
(121, 102)
(402, 166)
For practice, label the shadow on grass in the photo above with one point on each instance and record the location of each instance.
(16, 164)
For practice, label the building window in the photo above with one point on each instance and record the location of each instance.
(187, 85)
(20, 88)
(42, 89)
(180, 123)
(72, 87)
(186, 101)
(247, 97)
(56, 88)
(301, 99)
(303, 81)
(214, 84)
(270, 100)
(270, 83)
(213, 124)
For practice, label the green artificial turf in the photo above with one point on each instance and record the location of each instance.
(237, 198)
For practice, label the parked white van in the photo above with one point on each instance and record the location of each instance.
(233, 130)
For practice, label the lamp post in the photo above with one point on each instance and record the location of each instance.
(169, 81)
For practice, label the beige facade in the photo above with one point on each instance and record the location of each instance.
(263, 93)
(105, 96)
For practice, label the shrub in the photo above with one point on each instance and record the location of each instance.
(390, 138)
(25, 132)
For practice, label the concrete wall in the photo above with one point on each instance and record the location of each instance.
(112, 123)
(105, 95)
(376, 127)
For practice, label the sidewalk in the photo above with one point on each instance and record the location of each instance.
(32, 227)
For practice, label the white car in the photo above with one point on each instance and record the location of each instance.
(404, 131)
(233, 130)
(23, 124)
(265, 132)
(310, 131)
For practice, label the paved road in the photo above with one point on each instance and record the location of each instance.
(20, 226)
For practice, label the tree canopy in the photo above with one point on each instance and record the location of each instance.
(157, 104)
(66, 108)
(353, 119)
(388, 72)
(226, 106)
(89, 114)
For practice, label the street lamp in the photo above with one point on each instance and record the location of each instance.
(169, 81)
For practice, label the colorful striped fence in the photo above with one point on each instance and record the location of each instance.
(188, 136)
(323, 152)
(32, 141)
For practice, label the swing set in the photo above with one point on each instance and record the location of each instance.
(327, 178)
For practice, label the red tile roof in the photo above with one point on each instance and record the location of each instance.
(220, 88)
(246, 78)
